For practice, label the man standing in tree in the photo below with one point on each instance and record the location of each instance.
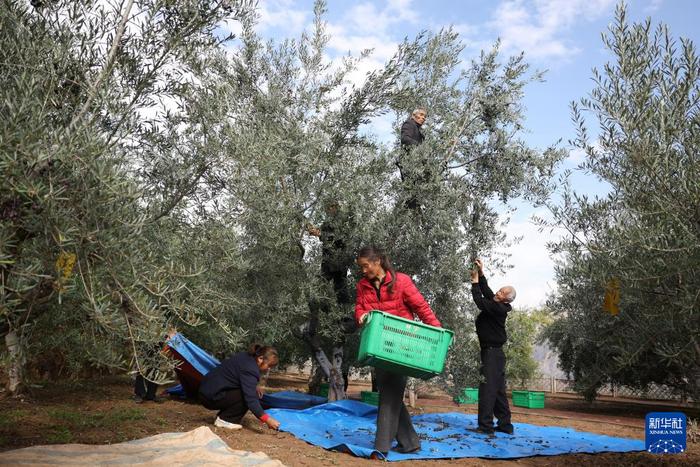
(411, 137)
(491, 330)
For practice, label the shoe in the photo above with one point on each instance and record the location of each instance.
(482, 431)
(508, 429)
(137, 399)
(228, 425)
(375, 457)
(157, 399)
(404, 450)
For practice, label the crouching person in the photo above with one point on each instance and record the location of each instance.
(232, 387)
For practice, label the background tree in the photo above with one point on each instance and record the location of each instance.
(644, 234)
(94, 264)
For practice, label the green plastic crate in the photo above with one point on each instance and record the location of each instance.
(529, 399)
(403, 346)
(468, 396)
(323, 390)
(369, 397)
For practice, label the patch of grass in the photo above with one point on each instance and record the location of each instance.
(77, 419)
(10, 417)
(64, 414)
(124, 415)
(59, 435)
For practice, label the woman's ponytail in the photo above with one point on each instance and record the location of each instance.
(267, 352)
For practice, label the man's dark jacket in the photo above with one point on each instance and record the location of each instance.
(491, 322)
(410, 133)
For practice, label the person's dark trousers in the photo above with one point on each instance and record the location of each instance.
(340, 284)
(231, 407)
(393, 419)
(145, 389)
(492, 392)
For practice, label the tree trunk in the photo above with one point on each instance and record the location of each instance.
(17, 361)
(337, 382)
(315, 377)
(336, 386)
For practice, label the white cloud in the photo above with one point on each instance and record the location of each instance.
(281, 15)
(532, 274)
(232, 27)
(364, 27)
(540, 27)
(366, 17)
(576, 156)
(653, 6)
(343, 40)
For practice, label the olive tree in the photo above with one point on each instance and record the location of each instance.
(641, 238)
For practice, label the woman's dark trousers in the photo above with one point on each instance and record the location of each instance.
(492, 392)
(231, 407)
(393, 419)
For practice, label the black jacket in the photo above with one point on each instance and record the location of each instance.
(491, 322)
(336, 256)
(410, 133)
(239, 371)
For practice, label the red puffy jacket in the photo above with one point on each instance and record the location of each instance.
(404, 301)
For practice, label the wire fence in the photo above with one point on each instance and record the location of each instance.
(652, 392)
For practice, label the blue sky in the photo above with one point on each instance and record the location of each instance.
(560, 36)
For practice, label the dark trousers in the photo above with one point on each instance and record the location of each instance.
(145, 389)
(492, 392)
(231, 407)
(339, 278)
(393, 419)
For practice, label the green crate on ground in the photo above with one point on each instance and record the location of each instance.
(468, 396)
(323, 390)
(403, 346)
(369, 397)
(529, 399)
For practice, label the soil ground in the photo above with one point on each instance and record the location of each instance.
(102, 411)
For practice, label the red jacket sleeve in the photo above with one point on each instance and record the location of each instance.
(417, 304)
(361, 307)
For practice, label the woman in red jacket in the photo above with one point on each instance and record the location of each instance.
(382, 288)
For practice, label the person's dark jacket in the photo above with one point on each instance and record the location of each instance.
(410, 133)
(239, 371)
(336, 257)
(491, 322)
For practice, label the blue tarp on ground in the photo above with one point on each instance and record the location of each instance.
(349, 426)
(291, 400)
